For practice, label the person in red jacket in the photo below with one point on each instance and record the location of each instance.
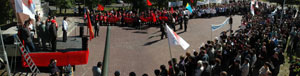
(54, 21)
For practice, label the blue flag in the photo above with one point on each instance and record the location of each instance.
(189, 7)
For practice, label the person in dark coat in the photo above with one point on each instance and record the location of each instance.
(207, 69)
(162, 30)
(53, 36)
(234, 69)
(26, 36)
(180, 20)
(157, 72)
(164, 71)
(186, 19)
(53, 68)
(96, 27)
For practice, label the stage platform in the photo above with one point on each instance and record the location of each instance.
(69, 52)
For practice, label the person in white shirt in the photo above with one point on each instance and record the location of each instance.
(65, 29)
(245, 67)
(264, 70)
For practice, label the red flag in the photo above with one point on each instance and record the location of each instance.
(100, 7)
(149, 3)
(172, 11)
(29, 2)
(153, 17)
(89, 24)
(192, 1)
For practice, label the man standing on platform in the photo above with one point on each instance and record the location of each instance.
(54, 21)
(65, 29)
(53, 35)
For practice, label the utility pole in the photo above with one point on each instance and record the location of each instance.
(106, 53)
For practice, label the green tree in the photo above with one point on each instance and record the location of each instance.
(6, 12)
(92, 3)
(137, 4)
(62, 4)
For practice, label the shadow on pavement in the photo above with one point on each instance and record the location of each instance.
(141, 32)
(151, 42)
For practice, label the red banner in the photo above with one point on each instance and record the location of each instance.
(165, 18)
(128, 20)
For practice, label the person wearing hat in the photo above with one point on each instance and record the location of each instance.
(199, 69)
(245, 67)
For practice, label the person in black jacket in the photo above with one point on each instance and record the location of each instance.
(26, 36)
(186, 19)
(164, 71)
(53, 68)
(162, 30)
(53, 36)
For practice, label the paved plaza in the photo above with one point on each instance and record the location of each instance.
(142, 51)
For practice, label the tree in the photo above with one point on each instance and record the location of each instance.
(93, 3)
(137, 4)
(62, 4)
(6, 12)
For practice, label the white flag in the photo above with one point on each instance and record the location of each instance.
(22, 8)
(174, 39)
(256, 5)
(252, 7)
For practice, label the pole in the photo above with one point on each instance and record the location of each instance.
(281, 22)
(106, 53)
(211, 33)
(170, 54)
(5, 55)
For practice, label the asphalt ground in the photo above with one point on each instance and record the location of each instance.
(142, 51)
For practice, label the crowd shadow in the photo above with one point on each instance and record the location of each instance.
(151, 42)
(141, 32)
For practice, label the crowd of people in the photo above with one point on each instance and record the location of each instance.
(42, 32)
(255, 49)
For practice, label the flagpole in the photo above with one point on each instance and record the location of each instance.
(171, 55)
(211, 33)
(282, 11)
